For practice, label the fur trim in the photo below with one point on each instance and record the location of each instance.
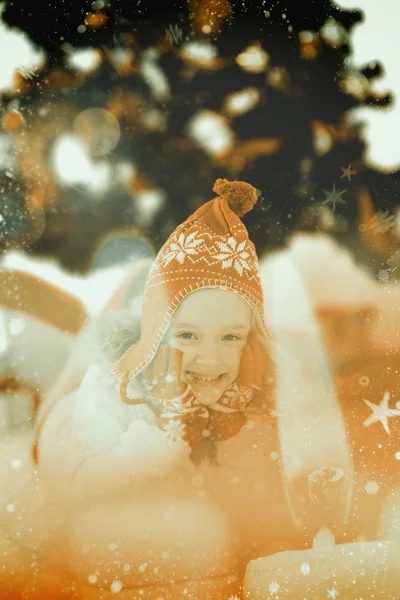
(105, 339)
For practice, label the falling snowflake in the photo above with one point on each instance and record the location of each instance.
(305, 568)
(174, 34)
(381, 412)
(16, 464)
(274, 587)
(347, 172)
(384, 275)
(92, 579)
(170, 378)
(364, 380)
(234, 253)
(112, 546)
(16, 326)
(142, 568)
(334, 197)
(371, 487)
(381, 222)
(234, 598)
(116, 587)
(10, 508)
(332, 593)
(250, 424)
(181, 248)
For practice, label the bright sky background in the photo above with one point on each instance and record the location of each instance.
(377, 38)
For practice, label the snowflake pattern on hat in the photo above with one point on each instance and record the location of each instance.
(218, 252)
(181, 248)
(234, 253)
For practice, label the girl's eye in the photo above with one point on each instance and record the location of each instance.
(185, 335)
(233, 338)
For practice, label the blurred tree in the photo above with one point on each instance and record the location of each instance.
(138, 108)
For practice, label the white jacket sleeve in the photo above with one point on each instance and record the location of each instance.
(105, 446)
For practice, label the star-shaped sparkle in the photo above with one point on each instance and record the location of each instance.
(348, 172)
(174, 34)
(334, 197)
(332, 593)
(381, 412)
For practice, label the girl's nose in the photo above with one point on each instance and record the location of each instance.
(207, 356)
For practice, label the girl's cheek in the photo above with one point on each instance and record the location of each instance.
(233, 356)
(235, 363)
(186, 360)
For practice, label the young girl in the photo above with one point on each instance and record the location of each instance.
(176, 462)
(154, 455)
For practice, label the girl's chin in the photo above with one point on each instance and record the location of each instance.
(205, 398)
(208, 395)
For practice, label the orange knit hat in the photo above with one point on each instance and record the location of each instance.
(211, 249)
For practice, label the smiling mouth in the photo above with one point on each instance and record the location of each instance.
(195, 376)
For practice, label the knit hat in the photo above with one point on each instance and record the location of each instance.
(211, 249)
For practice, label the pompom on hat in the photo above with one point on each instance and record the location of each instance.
(211, 249)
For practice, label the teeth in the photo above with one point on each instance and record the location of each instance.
(203, 378)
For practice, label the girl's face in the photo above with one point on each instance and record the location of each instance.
(210, 327)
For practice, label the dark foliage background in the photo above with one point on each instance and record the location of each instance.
(274, 84)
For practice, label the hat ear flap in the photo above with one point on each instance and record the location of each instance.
(126, 363)
(254, 362)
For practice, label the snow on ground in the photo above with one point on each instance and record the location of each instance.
(94, 290)
(333, 279)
